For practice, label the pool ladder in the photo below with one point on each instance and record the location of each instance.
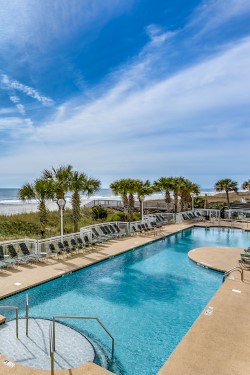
(239, 269)
(52, 336)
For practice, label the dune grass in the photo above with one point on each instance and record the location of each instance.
(28, 225)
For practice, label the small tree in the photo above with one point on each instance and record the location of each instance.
(226, 185)
(41, 190)
(143, 188)
(99, 212)
(246, 185)
(79, 182)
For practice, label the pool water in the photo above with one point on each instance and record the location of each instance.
(147, 298)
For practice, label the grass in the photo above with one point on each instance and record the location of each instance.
(28, 225)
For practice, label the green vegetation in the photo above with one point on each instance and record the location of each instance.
(54, 184)
(99, 212)
(181, 188)
(226, 185)
(246, 185)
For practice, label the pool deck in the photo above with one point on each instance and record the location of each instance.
(218, 341)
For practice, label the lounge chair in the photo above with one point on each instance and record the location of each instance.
(98, 237)
(31, 256)
(106, 231)
(54, 251)
(112, 230)
(7, 261)
(80, 242)
(18, 258)
(68, 247)
(86, 241)
(119, 230)
(63, 248)
(2, 265)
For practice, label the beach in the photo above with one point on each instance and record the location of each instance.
(10, 204)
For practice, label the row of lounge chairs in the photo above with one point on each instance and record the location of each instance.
(196, 216)
(14, 258)
(98, 235)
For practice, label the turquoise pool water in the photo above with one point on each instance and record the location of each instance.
(147, 298)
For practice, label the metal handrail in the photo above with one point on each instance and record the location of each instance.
(27, 315)
(16, 308)
(239, 269)
(53, 336)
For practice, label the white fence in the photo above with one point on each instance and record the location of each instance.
(125, 228)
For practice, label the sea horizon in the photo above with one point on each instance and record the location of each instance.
(10, 204)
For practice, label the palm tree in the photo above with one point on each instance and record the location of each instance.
(41, 190)
(165, 185)
(61, 179)
(188, 189)
(226, 185)
(131, 184)
(178, 186)
(142, 189)
(120, 187)
(79, 182)
(246, 185)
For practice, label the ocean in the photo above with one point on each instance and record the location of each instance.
(10, 204)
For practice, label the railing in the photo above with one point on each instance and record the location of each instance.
(27, 314)
(15, 308)
(30, 242)
(102, 202)
(151, 204)
(52, 336)
(226, 274)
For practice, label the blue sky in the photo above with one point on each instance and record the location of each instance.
(125, 88)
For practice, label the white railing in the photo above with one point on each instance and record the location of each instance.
(42, 246)
(30, 243)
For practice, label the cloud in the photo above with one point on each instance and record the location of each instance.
(212, 14)
(40, 24)
(196, 119)
(190, 121)
(157, 34)
(11, 84)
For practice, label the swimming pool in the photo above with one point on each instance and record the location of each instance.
(147, 298)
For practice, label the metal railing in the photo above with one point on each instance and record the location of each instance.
(52, 335)
(150, 204)
(234, 269)
(13, 308)
(27, 314)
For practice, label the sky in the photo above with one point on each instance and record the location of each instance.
(125, 89)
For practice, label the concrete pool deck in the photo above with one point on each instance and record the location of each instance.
(217, 342)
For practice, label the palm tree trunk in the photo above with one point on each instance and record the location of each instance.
(43, 216)
(76, 214)
(228, 203)
(175, 201)
(167, 199)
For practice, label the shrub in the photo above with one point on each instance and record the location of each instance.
(99, 212)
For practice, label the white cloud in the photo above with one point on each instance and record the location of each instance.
(194, 123)
(42, 23)
(14, 99)
(157, 35)
(213, 14)
(6, 111)
(196, 119)
(12, 84)
(21, 109)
